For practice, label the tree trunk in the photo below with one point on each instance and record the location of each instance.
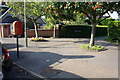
(92, 40)
(36, 30)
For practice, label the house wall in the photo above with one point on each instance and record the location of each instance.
(46, 33)
(4, 30)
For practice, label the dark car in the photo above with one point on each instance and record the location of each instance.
(6, 61)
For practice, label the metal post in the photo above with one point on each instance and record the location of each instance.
(25, 28)
(17, 46)
(54, 31)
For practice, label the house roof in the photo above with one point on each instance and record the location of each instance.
(9, 19)
(5, 17)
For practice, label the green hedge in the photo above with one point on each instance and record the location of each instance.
(114, 30)
(106, 21)
(80, 31)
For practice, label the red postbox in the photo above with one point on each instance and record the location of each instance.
(17, 28)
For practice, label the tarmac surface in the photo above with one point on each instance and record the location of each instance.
(18, 73)
(63, 58)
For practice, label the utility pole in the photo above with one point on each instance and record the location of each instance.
(25, 27)
(54, 31)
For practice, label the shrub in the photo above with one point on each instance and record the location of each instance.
(114, 30)
(96, 47)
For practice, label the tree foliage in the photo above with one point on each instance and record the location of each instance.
(93, 10)
(33, 11)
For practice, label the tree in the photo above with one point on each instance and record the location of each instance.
(34, 10)
(93, 10)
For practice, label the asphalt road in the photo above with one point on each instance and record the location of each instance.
(19, 74)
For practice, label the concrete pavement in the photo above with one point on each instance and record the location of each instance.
(62, 58)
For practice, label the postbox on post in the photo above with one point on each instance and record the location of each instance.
(17, 28)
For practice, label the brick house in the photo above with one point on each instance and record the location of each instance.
(5, 29)
(6, 26)
(6, 21)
